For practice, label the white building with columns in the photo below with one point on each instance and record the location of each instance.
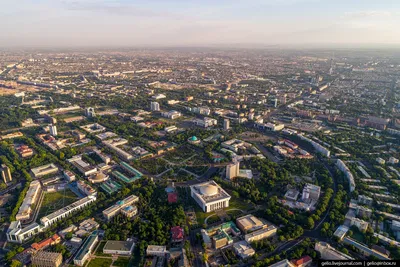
(210, 196)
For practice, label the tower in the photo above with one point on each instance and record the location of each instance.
(154, 106)
(226, 124)
(53, 130)
(232, 170)
(89, 112)
(6, 173)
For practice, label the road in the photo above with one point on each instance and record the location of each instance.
(5, 191)
(196, 248)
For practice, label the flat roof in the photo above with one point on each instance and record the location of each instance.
(85, 247)
(67, 208)
(119, 245)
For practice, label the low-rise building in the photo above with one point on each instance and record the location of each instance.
(302, 262)
(205, 122)
(158, 251)
(55, 239)
(261, 234)
(115, 209)
(46, 259)
(220, 235)
(173, 114)
(341, 232)
(84, 168)
(292, 194)
(119, 247)
(86, 249)
(330, 253)
(243, 249)
(282, 263)
(360, 224)
(66, 211)
(85, 188)
(249, 223)
(364, 249)
(177, 234)
(44, 170)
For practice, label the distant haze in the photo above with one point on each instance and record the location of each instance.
(124, 23)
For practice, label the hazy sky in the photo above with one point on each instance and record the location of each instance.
(197, 22)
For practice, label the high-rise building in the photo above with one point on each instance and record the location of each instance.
(232, 170)
(155, 106)
(226, 124)
(53, 130)
(5, 173)
(89, 112)
(276, 102)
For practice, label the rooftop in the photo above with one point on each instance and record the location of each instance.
(119, 245)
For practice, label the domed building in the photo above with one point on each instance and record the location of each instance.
(210, 196)
(98, 178)
(193, 140)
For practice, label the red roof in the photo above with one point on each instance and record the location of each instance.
(172, 197)
(177, 233)
(47, 242)
(302, 260)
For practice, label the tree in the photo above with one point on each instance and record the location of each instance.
(310, 223)
(68, 236)
(15, 263)
(205, 257)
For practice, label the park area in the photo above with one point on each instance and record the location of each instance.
(55, 201)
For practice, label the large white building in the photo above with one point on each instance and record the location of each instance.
(159, 251)
(66, 211)
(154, 106)
(17, 234)
(261, 234)
(311, 191)
(44, 170)
(85, 168)
(330, 253)
(53, 130)
(342, 166)
(158, 96)
(210, 196)
(173, 114)
(319, 148)
(113, 145)
(206, 122)
(31, 197)
(119, 206)
(273, 127)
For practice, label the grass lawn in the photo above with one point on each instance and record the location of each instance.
(55, 201)
(201, 216)
(234, 203)
(152, 166)
(237, 203)
(179, 155)
(100, 262)
(122, 261)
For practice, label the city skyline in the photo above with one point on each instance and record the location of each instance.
(124, 23)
